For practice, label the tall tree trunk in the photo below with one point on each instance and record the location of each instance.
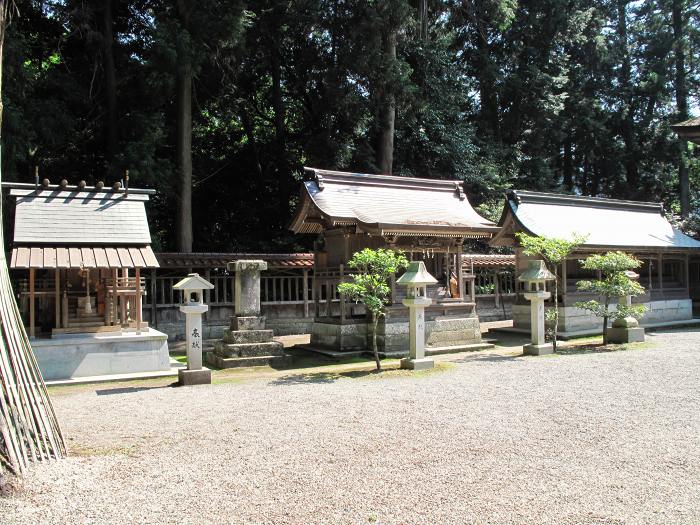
(387, 111)
(605, 322)
(568, 166)
(681, 89)
(375, 348)
(488, 101)
(110, 85)
(627, 124)
(423, 19)
(184, 131)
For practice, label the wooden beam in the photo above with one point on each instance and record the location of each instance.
(32, 312)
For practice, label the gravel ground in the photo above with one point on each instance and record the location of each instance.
(602, 438)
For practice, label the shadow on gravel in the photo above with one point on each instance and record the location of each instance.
(322, 377)
(130, 389)
(489, 358)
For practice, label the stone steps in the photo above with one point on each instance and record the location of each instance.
(223, 349)
(247, 336)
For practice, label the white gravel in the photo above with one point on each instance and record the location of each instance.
(603, 438)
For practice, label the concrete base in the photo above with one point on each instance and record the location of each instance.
(544, 349)
(625, 335)
(194, 377)
(91, 355)
(417, 364)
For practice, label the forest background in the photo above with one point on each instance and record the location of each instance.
(219, 104)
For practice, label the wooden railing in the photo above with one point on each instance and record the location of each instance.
(274, 290)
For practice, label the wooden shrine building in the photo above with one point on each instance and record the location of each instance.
(688, 129)
(78, 257)
(670, 270)
(425, 218)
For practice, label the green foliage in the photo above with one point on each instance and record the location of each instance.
(551, 250)
(373, 269)
(614, 283)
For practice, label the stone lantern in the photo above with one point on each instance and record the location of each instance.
(192, 288)
(416, 279)
(627, 329)
(535, 279)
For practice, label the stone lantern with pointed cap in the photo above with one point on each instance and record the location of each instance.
(535, 279)
(416, 279)
(192, 288)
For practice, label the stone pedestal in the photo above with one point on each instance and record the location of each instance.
(194, 377)
(416, 359)
(538, 345)
(626, 330)
(246, 342)
(194, 374)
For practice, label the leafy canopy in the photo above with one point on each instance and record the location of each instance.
(613, 283)
(551, 249)
(369, 284)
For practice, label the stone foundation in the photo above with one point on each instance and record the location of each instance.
(247, 343)
(446, 326)
(572, 319)
(86, 355)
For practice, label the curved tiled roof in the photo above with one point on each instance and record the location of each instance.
(607, 223)
(387, 205)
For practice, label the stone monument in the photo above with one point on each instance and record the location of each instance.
(193, 307)
(626, 329)
(416, 279)
(246, 342)
(535, 279)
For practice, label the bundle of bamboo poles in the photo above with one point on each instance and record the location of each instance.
(29, 430)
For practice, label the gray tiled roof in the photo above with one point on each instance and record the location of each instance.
(391, 203)
(606, 222)
(60, 217)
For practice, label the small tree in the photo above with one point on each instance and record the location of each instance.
(370, 284)
(552, 251)
(614, 283)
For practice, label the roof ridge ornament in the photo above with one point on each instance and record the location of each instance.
(319, 181)
(460, 190)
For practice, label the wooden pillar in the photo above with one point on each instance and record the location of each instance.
(139, 312)
(316, 295)
(123, 298)
(154, 304)
(32, 313)
(563, 277)
(661, 272)
(460, 275)
(57, 296)
(329, 296)
(305, 291)
(651, 284)
(448, 292)
(496, 289)
(342, 296)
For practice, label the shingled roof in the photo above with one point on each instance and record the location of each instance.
(73, 227)
(607, 223)
(688, 129)
(387, 205)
